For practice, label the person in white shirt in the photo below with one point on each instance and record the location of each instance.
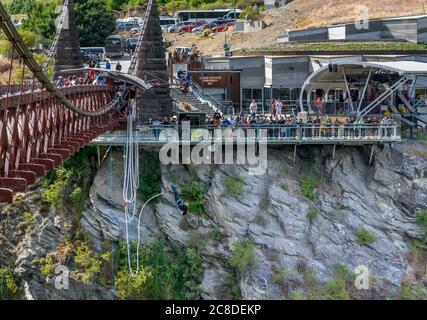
(279, 107)
(253, 108)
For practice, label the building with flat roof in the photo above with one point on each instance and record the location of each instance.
(411, 28)
(262, 78)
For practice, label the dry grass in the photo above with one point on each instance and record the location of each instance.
(297, 15)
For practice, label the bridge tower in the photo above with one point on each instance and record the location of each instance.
(155, 102)
(67, 55)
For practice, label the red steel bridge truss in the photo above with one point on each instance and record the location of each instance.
(40, 125)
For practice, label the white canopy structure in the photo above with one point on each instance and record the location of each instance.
(386, 79)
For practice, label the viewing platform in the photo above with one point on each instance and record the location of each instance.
(270, 134)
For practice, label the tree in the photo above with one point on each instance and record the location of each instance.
(94, 22)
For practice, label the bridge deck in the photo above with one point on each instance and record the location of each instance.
(274, 135)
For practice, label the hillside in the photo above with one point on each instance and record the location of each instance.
(297, 15)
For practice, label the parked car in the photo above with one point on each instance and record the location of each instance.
(176, 27)
(130, 44)
(191, 26)
(209, 25)
(136, 30)
(222, 27)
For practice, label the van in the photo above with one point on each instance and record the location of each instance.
(115, 46)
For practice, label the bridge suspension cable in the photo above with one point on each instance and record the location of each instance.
(52, 49)
(134, 58)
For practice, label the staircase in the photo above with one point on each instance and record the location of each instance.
(190, 98)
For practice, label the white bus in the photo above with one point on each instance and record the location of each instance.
(207, 15)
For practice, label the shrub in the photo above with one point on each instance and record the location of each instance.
(308, 183)
(76, 196)
(55, 184)
(285, 186)
(336, 289)
(261, 220)
(89, 262)
(8, 285)
(128, 286)
(422, 223)
(194, 192)
(234, 185)
(409, 291)
(46, 265)
(243, 256)
(364, 237)
(174, 275)
(312, 215)
(29, 219)
(215, 234)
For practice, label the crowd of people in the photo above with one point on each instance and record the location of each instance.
(289, 126)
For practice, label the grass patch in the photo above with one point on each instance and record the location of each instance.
(234, 185)
(309, 182)
(422, 223)
(261, 219)
(410, 291)
(165, 275)
(312, 215)
(285, 186)
(364, 237)
(340, 46)
(215, 234)
(194, 193)
(8, 284)
(243, 256)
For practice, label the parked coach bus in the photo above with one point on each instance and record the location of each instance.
(206, 15)
(115, 46)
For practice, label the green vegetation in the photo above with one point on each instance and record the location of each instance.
(309, 182)
(409, 291)
(285, 186)
(422, 223)
(150, 178)
(261, 219)
(215, 234)
(234, 185)
(243, 256)
(28, 220)
(46, 264)
(194, 192)
(89, 262)
(94, 22)
(337, 288)
(312, 215)
(341, 46)
(421, 136)
(55, 185)
(8, 285)
(165, 275)
(364, 237)
(59, 191)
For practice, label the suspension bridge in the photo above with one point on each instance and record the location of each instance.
(42, 125)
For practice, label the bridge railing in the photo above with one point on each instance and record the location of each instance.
(260, 133)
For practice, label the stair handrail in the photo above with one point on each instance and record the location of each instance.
(204, 95)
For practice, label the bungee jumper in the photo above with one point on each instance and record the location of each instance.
(182, 205)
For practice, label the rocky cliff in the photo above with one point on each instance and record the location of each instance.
(298, 226)
(302, 221)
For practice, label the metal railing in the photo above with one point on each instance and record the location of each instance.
(305, 133)
(209, 98)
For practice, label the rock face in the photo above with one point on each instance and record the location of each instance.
(287, 228)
